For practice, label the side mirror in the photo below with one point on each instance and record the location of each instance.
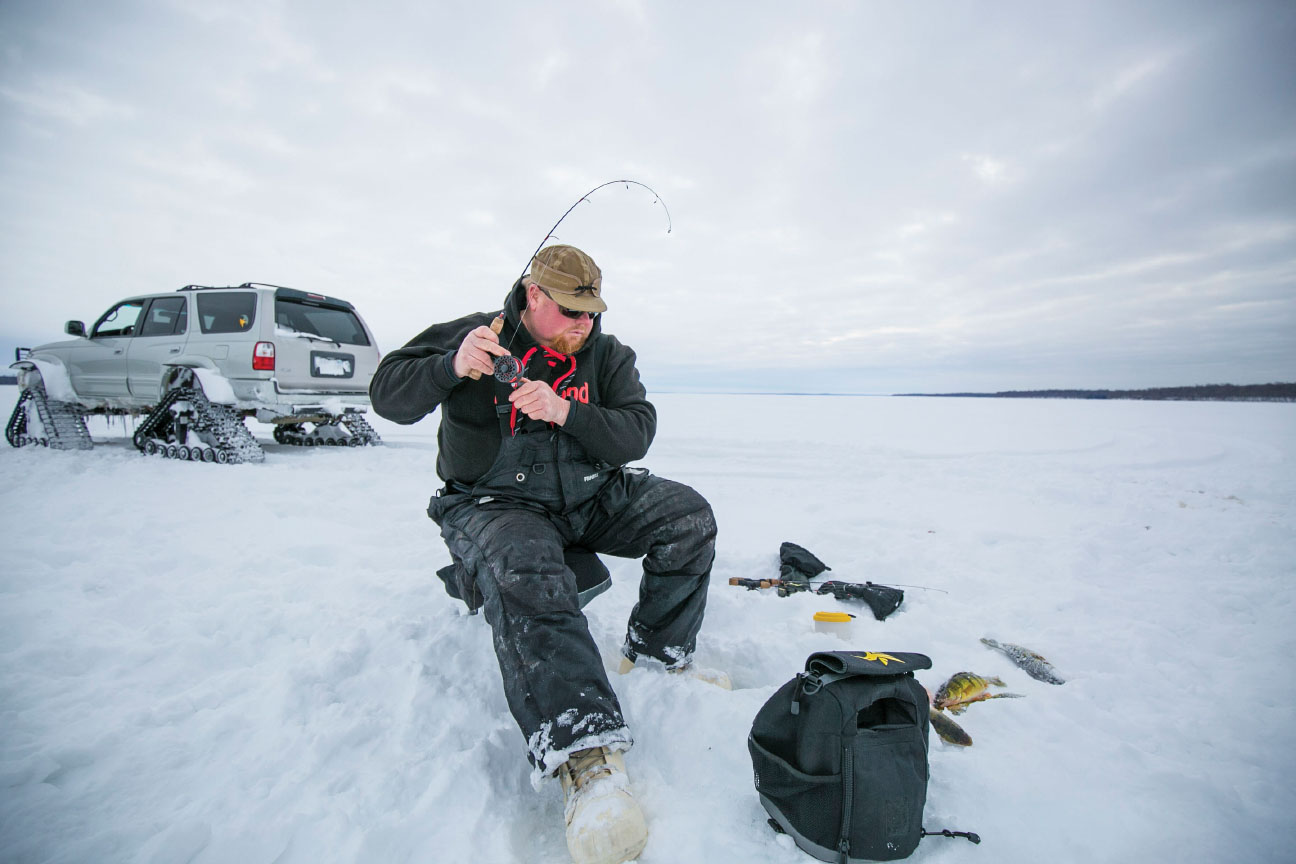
(75, 328)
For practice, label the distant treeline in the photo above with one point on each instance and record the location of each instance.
(1201, 393)
(8, 379)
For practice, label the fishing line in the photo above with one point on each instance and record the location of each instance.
(920, 587)
(657, 199)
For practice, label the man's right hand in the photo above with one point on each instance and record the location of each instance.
(478, 351)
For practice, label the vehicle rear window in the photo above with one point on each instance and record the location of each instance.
(314, 319)
(227, 311)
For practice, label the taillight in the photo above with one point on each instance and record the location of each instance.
(263, 356)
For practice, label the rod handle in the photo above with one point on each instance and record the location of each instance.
(496, 326)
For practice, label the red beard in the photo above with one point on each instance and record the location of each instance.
(569, 343)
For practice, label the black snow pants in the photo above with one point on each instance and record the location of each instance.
(554, 680)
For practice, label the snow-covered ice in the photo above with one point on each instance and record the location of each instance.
(256, 663)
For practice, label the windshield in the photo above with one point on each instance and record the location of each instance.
(119, 320)
(312, 319)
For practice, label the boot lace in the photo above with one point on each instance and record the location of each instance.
(584, 766)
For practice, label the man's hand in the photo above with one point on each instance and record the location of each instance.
(538, 401)
(478, 351)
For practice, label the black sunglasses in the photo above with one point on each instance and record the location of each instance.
(570, 313)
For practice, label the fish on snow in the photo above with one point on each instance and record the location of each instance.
(964, 688)
(1028, 661)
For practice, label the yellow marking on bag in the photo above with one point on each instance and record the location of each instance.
(881, 658)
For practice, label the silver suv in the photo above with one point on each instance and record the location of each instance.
(197, 361)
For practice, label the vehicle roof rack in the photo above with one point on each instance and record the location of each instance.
(228, 287)
(280, 290)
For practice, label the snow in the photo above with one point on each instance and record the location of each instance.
(281, 330)
(55, 378)
(205, 663)
(215, 386)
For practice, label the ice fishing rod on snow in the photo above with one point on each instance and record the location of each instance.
(881, 599)
(509, 369)
(798, 566)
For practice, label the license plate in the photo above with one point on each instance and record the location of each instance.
(327, 365)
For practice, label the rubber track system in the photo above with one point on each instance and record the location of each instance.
(349, 430)
(186, 409)
(62, 424)
(361, 429)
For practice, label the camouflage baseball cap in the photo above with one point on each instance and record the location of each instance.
(570, 277)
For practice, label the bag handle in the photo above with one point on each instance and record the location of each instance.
(975, 838)
(825, 667)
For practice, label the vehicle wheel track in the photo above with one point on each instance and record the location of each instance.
(63, 423)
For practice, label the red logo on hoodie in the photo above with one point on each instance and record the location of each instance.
(580, 394)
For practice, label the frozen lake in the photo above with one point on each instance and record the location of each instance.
(256, 663)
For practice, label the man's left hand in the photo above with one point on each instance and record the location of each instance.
(538, 401)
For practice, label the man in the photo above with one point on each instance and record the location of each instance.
(534, 467)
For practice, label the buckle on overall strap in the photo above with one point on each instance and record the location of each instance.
(453, 487)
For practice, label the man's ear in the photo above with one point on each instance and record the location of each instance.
(532, 295)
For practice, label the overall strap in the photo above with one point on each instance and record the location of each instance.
(535, 364)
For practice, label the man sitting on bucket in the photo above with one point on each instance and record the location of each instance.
(535, 481)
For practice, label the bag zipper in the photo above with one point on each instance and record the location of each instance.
(848, 801)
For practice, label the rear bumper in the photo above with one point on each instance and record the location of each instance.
(270, 400)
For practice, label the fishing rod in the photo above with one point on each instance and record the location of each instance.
(919, 587)
(509, 369)
(657, 199)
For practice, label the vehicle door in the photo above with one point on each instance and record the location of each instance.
(97, 364)
(223, 330)
(159, 339)
(321, 345)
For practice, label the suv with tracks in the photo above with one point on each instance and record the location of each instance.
(196, 362)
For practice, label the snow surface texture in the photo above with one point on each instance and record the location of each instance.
(255, 663)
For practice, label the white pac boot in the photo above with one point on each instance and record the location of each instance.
(604, 823)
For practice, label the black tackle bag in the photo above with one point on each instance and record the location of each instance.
(840, 756)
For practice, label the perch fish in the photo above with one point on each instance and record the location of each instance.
(1028, 661)
(964, 688)
(948, 730)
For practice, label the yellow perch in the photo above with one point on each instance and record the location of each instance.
(964, 688)
(948, 730)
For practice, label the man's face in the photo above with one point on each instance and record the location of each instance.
(551, 327)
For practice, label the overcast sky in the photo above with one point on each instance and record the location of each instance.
(867, 197)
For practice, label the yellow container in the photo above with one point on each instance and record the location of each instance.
(833, 622)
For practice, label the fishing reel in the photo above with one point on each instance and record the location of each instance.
(508, 370)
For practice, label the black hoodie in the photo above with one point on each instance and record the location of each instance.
(610, 413)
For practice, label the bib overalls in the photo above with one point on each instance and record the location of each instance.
(507, 533)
